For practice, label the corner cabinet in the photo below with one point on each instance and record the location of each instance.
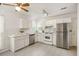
(18, 42)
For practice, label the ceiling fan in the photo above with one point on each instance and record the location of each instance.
(18, 6)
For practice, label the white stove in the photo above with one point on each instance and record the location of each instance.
(48, 38)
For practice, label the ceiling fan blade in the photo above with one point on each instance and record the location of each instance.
(26, 4)
(23, 6)
(8, 4)
(25, 9)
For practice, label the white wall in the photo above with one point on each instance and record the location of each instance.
(11, 27)
(78, 30)
(12, 22)
(1, 32)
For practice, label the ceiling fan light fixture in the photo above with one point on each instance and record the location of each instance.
(18, 8)
(45, 14)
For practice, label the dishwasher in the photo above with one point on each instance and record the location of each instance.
(31, 39)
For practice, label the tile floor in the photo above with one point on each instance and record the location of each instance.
(40, 49)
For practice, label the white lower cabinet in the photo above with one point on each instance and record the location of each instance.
(26, 41)
(40, 37)
(18, 42)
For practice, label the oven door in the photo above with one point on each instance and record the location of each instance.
(48, 37)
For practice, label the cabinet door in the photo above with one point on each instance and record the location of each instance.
(26, 41)
(54, 39)
(40, 37)
(59, 36)
(19, 43)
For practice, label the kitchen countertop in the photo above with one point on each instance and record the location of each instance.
(18, 34)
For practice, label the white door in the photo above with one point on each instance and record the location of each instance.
(1, 31)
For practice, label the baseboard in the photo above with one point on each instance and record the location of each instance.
(44, 43)
(3, 50)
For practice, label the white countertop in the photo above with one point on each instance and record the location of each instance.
(18, 34)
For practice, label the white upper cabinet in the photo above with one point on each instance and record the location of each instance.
(24, 23)
(63, 20)
(51, 23)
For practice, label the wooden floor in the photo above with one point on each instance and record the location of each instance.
(40, 49)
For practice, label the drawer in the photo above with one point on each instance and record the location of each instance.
(20, 38)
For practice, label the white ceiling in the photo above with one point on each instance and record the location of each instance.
(52, 8)
(37, 8)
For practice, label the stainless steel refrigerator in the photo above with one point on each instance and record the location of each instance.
(63, 35)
